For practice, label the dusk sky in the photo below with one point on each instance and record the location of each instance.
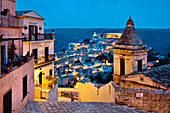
(100, 13)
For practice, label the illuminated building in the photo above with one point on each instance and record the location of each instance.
(130, 63)
(39, 44)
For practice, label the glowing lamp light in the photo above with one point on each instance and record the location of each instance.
(81, 78)
(157, 61)
(77, 78)
(113, 43)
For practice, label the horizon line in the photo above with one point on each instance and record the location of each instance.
(101, 28)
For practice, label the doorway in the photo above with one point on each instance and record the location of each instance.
(3, 57)
(40, 78)
(46, 54)
(33, 31)
(7, 102)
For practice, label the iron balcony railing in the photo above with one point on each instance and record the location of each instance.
(10, 21)
(38, 37)
(14, 64)
(43, 60)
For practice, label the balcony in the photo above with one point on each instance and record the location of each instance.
(10, 21)
(9, 67)
(38, 37)
(43, 60)
(11, 55)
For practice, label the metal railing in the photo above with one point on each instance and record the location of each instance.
(10, 66)
(10, 20)
(38, 37)
(14, 51)
(43, 60)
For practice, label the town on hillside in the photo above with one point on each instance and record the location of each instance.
(107, 72)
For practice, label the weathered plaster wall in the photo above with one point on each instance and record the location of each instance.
(131, 62)
(152, 100)
(44, 70)
(9, 4)
(33, 21)
(53, 94)
(14, 81)
(10, 32)
(89, 93)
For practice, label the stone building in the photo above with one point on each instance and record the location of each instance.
(130, 54)
(130, 63)
(17, 71)
(38, 43)
(156, 78)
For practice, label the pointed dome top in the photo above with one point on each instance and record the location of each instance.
(130, 36)
(130, 22)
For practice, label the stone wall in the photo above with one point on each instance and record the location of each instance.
(145, 99)
(9, 4)
(53, 94)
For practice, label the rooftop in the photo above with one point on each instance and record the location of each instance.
(129, 35)
(160, 74)
(77, 107)
(22, 12)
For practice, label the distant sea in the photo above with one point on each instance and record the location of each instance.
(159, 39)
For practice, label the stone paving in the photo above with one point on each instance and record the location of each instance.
(77, 107)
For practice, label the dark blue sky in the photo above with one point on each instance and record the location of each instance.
(100, 13)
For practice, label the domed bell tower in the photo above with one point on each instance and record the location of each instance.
(130, 54)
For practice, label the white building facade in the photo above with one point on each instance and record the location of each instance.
(38, 44)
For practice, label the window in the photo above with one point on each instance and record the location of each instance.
(46, 54)
(51, 72)
(97, 91)
(35, 52)
(109, 89)
(122, 67)
(24, 87)
(33, 31)
(3, 57)
(139, 65)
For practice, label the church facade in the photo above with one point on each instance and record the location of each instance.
(130, 63)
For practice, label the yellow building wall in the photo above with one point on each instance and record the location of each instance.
(113, 35)
(44, 70)
(89, 93)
